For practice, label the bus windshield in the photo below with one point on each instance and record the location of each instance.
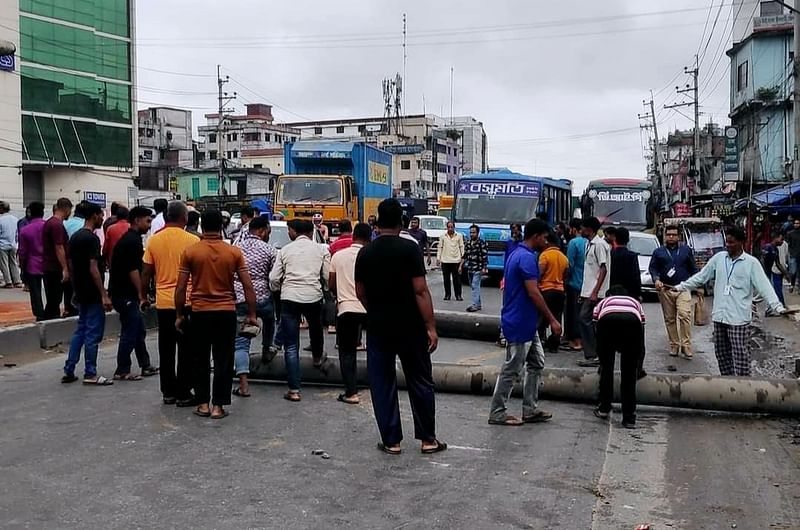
(317, 190)
(619, 206)
(501, 202)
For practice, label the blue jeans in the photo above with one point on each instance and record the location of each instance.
(777, 284)
(264, 311)
(475, 284)
(132, 335)
(290, 334)
(87, 335)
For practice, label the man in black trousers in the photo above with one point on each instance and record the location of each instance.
(390, 283)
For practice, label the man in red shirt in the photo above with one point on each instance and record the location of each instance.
(345, 238)
(115, 233)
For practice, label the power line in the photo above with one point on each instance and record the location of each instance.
(711, 34)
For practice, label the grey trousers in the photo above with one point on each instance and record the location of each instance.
(586, 327)
(9, 270)
(531, 355)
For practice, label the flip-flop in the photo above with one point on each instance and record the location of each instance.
(127, 377)
(509, 421)
(440, 446)
(292, 396)
(350, 400)
(388, 451)
(71, 378)
(219, 416)
(196, 412)
(150, 371)
(99, 381)
(238, 392)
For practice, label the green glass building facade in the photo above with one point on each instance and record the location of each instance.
(76, 82)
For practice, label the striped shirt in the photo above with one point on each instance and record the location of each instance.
(618, 304)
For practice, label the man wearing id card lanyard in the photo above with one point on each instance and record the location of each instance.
(670, 265)
(736, 276)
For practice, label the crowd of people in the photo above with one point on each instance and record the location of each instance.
(215, 291)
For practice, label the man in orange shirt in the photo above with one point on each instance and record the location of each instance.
(211, 265)
(162, 258)
(553, 266)
(114, 233)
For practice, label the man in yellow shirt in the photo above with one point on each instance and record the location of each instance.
(449, 256)
(162, 258)
(553, 266)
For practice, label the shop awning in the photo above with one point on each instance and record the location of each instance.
(783, 195)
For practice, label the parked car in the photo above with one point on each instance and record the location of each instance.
(279, 236)
(644, 245)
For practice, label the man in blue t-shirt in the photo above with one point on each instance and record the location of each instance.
(576, 254)
(522, 303)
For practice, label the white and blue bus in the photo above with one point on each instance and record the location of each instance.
(496, 199)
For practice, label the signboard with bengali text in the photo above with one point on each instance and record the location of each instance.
(499, 188)
(378, 173)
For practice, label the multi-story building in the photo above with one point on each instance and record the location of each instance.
(761, 85)
(243, 140)
(68, 115)
(165, 144)
(428, 151)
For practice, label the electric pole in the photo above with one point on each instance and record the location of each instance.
(692, 89)
(656, 145)
(796, 92)
(222, 100)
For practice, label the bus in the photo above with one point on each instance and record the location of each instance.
(496, 199)
(620, 202)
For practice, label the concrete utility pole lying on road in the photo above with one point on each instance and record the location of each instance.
(773, 396)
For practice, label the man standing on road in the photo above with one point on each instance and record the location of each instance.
(160, 220)
(125, 287)
(320, 227)
(576, 255)
(114, 233)
(351, 315)
(514, 241)
(553, 266)
(736, 276)
(596, 276)
(345, 238)
(211, 265)
(92, 299)
(9, 269)
(390, 283)
(31, 257)
(476, 262)
(625, 265)
(162, 258)
(522, 305)
(793, 240)
(113, 218)
(448, 256)
(670, 265)
(776, 263)
(259, 256)
(300, 272)
(55, 265)
(246, 215)
(422, 238)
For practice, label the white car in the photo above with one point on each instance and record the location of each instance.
(435, 226)
(644, 245)
(279, 236)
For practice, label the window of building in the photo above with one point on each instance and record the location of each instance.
(212, 183)
(340, 129)
(141, 132)
(278, 138)
(212, 138)
(741, 76)
(147, 155)
(405, 184)
(235, 153)
(212, 155)
(162, 154)
(294, 138)
(405, 164)
(317, 130)
(148, 133)
(258, 166)
(362, 129)
(441, 168)
(47, 139)
(252, 137)
(201, 156)
(267, 137)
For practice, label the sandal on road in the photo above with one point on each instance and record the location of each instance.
(202, 413)
(98, 381)
(508, 421)
(438, 448)
(219, 415)
(292, 396)
(350, 400)
(69, 378)
(394, 451)
(150, 371)
(127, 377)
(238, 392)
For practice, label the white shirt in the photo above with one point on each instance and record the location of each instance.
(343, 264)
(451, 248)
(157, 224)
(598, 253)
(783, 257)
(300, 270)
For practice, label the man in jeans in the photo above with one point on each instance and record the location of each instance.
(162, 258)
(125, 286)
(596, 276)
(449, 254)
(793, 240)
(31, 257)
(576, 255)
(259, 256)
(522, 304)
(93, 301)
(9, 269)
(476, 261)
(300, 272)
(351, 313)
(211, 265)
(55, 264)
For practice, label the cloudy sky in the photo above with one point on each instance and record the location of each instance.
(557, 84)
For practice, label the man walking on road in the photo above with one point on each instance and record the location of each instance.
(522, 306)
(736, 276)
(114, 233)
(246, 215)
(92, 299)
(211, 265)
(793, 240)
(476, 262)
(161, 219)
(55, 265)
(576, 255)
(448, 256)
(670, 265)
(9, 269)
(162, 258)
(345, 238)
(300, 272)
(351, 315)
(553, 267)
(31, 257)
(596, 276)
(125, 286)
(259, 256)
(390, 283)
(422, 238)
(776, 263)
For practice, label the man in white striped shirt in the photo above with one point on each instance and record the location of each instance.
(620, 328)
